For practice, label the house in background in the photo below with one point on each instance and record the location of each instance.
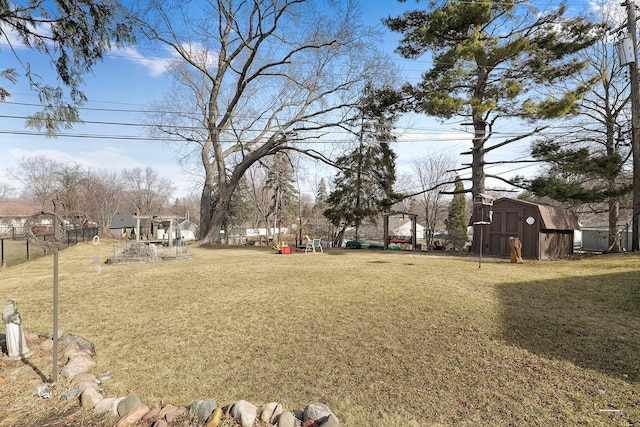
(546, 232)
(13, 217)
(122, 224)
(186, 229)
(405, 230)
(396, 230)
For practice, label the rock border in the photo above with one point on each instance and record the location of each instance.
(130, 410)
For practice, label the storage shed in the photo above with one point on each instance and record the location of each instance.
(546, 232)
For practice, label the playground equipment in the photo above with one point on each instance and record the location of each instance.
(313, 244)
(282, 248)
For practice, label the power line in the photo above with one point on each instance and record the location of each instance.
(437, 131)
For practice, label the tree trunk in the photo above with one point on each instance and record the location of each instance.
(216, 198)
(477, 161)
(213, 207)
(215, 227)
(205, 209)
(614, 235)
(337, 240)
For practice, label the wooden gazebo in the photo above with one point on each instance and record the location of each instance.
(414, 221)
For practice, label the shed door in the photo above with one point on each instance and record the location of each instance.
(505, 224)
(496, 236)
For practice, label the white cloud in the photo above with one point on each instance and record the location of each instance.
(200, 54)
(11, 37)
(433, 136)
(157, 65)
(154, 64)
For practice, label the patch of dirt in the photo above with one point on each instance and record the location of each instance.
(20, 404)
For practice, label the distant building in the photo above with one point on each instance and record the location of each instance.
(13, 216)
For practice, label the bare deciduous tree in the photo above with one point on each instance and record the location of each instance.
(434, 175)
(103, 194)
(38, 176)
(145, 190)
(6, 191)
(256, 78)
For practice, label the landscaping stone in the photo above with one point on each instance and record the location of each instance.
(47, 345)
(153, 412)
(317, 411)
(87, 346)
(31, 337)
(174, 414)
(167, 409)
(69, 344)
(80, 354)
(215, 418)
(244, 413)
(77, 366)
(107, 405)
(87, 384)
(287, 419)
(65, 339)
(71, 394)
(128, 404)
(90, 398)
(332, 421)
(203, 408)
(133, 416)
(82, 377)
(269, 412)
(132, 410)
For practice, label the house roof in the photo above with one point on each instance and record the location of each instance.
(125, 219)
(15, 208)
(552, 217)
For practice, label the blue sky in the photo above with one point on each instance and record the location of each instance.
(127, 81)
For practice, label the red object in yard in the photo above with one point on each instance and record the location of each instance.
(285, 250)
(400, 241)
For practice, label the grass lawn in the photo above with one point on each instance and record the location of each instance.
(383, 338)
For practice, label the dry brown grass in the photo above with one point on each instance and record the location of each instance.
(383, 338)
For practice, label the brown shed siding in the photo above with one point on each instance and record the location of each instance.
(550, 235)
(556, 244)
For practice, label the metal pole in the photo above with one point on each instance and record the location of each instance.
(480, 258)
(54, 376)
(635, 121)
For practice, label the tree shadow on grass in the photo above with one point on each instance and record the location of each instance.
(593, 321)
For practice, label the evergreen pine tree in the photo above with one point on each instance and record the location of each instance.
(363, 188)
(456, 222)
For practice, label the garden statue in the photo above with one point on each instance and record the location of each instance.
(16, 342)
(516, 249)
